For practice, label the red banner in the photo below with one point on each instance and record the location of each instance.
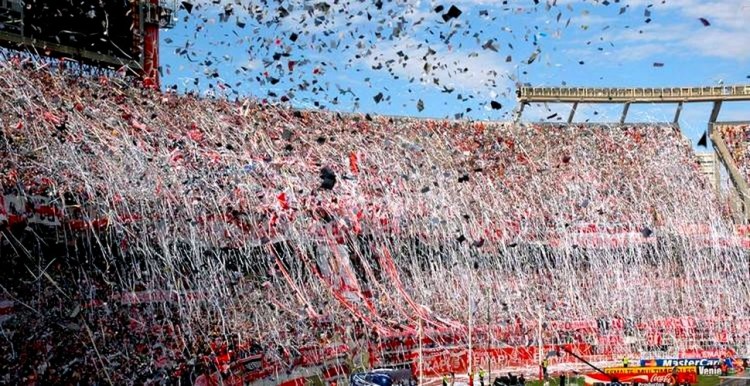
(700, 353)
(441, 361)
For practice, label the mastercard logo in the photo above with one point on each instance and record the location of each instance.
(651, 363)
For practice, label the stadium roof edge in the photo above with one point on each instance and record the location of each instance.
(633, 94)
(59, 50)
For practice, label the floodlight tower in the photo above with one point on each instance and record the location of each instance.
(153, 16)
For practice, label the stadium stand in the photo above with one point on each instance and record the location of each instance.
(247, 241)
(736, 137)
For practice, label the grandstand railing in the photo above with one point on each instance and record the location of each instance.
(634, 95)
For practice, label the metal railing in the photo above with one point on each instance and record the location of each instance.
(635, 94)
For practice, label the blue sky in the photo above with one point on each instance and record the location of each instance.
(348, 53)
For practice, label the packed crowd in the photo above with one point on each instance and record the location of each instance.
(276, 230)
(737, 138)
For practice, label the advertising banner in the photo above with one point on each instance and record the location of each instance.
(705, 366)
(650, 370)
(653, 379)
(709, 370)
(681, 362)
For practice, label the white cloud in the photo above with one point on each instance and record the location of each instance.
(683, 33)
(591, 20)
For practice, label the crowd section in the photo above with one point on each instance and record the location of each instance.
(737, 138)
(176, 237)
(202, 162)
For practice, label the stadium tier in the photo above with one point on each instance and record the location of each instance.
(154, 237)
(736, 137)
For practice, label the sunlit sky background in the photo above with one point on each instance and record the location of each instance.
(404, 58)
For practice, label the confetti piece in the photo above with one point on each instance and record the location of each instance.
(452, 13)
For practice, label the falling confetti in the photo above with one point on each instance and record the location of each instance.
(297, 217)
(452, 13)
(192, 233)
